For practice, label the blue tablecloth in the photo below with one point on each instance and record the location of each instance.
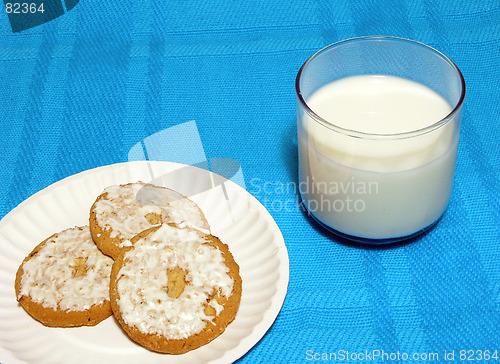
(81, 90)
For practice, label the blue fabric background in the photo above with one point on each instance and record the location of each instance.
(80, 91)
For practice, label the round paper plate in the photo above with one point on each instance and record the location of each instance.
(235, 216)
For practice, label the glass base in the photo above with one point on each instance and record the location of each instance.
(374, 241)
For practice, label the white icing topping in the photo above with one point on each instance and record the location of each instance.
(218, 308)
(49, 276)
(125, 207)
(125, 243)
(142, 283)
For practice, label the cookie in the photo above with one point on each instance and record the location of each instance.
(64, 281)
(175, 289)
(121, 212)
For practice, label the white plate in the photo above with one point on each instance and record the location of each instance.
(235, 216)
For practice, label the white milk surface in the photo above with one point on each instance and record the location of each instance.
(376, 188)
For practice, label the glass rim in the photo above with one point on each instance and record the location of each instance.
(359, 134)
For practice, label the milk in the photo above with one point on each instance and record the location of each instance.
(376, 187)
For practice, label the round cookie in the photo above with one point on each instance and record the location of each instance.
(64, 281)
(175, 289)
(123, 211)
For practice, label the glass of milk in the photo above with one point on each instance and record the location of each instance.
(378, 128)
